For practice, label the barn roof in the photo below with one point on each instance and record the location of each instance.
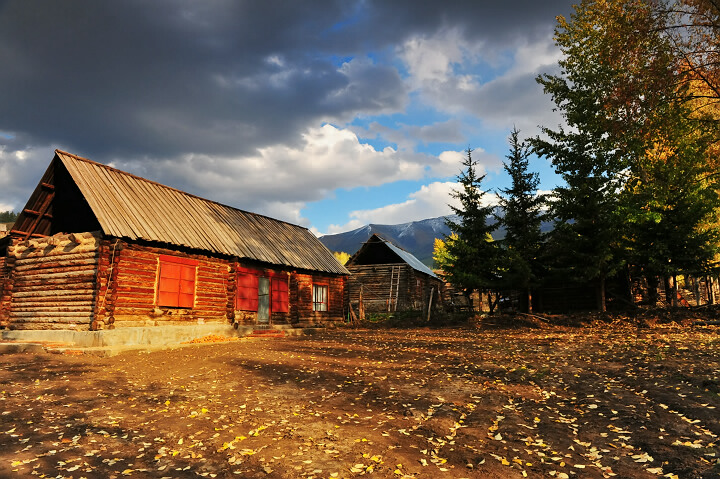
(365, 256)
(127, 206)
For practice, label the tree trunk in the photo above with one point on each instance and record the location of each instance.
(652, 284)
(529, 301)
(602, 307)
(668, 290)
(491, 303)
(674, 292)
(709, 287)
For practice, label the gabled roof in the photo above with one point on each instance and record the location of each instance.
(127, 206)
(401, 254)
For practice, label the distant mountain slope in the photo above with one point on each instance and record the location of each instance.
(417, 237)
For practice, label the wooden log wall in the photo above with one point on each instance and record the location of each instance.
(301, 303)
(413, 292)
(4, 296)
(376, 286)
(421, 286)
(128, 295)
(52, 282)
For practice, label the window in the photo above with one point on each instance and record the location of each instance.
(262, 289)
(176, 282)
(247, 292)
(279, 295)
(320, 297)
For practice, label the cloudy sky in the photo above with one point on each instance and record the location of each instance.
(328, 114)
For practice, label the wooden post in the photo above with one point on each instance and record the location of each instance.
(432, 293)
(361, 305)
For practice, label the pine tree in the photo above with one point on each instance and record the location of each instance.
(522, 217)
(7, 216)
(475, 254)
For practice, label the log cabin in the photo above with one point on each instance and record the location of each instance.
(97, 248)
(391, 279)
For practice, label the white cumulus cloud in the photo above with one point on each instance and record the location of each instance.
(429, 201)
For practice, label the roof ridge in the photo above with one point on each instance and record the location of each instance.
(108, 167)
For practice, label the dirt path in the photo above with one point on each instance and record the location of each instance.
(558, 402)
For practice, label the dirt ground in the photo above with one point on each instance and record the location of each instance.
(590, 402)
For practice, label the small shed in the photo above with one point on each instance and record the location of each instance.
(98, 248)
(390, 278)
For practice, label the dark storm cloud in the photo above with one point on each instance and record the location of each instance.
(163, 78)
(498, 23)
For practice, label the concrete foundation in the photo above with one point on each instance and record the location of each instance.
(109, 342)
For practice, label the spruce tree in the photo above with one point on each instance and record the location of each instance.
(635, 157)
(522, 214)
(474, 252)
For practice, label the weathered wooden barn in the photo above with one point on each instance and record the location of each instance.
(391, 279)
(98, 248)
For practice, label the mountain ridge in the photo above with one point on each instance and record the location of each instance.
(416, 237)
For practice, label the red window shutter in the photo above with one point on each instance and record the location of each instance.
(186, 294)
(176, 284)
(247, 292)
(280, 297)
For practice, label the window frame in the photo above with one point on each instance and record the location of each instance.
(176, 282)
(324, 303)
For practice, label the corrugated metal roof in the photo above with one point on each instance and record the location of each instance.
(410, 259)
(127, 206)
(406, 256)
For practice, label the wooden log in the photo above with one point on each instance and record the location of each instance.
(139, 263)
(86, 282)
(135, 289)
(44, 252)
(51, 326)
(50, 275)
(41, 302)
(122, 303)
(50, 294)
(51, 319)
(59, 270)
(52, 262)
(53, 307)
(47, 314)
(44, 275)
(137, 275)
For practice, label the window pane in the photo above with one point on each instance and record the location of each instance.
(320, 297)
(187, 273)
